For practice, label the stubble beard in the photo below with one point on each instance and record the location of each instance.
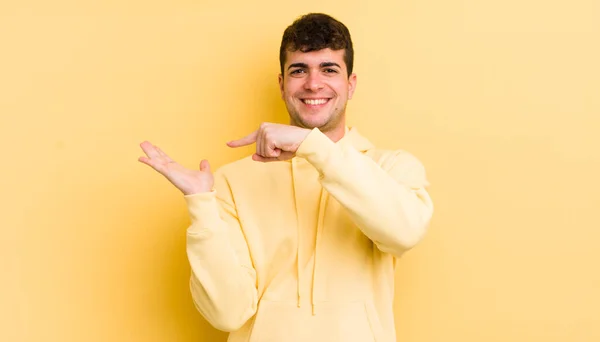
(331, 122)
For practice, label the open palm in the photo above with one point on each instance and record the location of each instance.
(186, 180)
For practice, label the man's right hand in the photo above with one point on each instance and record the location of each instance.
(187, 181)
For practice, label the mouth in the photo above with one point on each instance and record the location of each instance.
(315, 103)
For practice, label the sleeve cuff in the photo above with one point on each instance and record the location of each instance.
(316, 148)
(204, 211)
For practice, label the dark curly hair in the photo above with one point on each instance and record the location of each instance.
(316, 31)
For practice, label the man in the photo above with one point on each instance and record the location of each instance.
(298, 242)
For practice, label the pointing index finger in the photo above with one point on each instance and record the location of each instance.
(247, 140)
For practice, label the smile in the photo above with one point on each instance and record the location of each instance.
(315, 102)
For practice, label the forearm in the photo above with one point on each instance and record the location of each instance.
(222, 287)
(392, 213)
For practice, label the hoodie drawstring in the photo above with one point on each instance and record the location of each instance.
(320, 219)
(360, 144)
(322, 205)
(298, 227)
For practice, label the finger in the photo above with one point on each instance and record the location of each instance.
(144, 160)
(149, 149)
(162, 154)
(271, 150)
(204, 165)
(260, 143)
(247, 140)
(283, 156)
(153, 164)
(259, 158)
(268, 148)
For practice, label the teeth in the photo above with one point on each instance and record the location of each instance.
(315, 102)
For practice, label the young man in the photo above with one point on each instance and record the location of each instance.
(298, 242)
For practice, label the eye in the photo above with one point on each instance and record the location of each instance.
(330, 71)
(296, 71)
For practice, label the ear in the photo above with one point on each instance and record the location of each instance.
(280, 77)
(351, 85)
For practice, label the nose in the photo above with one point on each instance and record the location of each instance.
(313, 82)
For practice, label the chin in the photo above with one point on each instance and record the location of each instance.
(313, 123)
(313, 120)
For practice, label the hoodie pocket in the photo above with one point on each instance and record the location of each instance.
(332, 322)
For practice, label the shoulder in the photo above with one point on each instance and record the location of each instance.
(247, 171)
(235, 167)
(229, 174)
(386, 158)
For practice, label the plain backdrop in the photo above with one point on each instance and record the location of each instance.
(498, 99)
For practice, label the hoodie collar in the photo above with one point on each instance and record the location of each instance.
(353, 138)
(356, 140)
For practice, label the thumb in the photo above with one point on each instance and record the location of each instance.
(204, 165)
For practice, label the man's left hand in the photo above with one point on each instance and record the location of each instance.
(273, 141)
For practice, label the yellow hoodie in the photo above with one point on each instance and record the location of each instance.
(304, 250)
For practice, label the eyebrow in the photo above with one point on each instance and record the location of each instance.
(322, 65)
(329, 64)
(298, 65)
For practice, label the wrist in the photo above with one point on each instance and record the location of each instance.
(305, 132)
(196, 191)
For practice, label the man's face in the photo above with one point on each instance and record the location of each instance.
(315, 87)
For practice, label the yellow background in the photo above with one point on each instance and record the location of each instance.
(499, 100)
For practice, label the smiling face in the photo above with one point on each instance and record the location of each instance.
(316, 87)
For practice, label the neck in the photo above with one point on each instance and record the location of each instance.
(333, 130)
(336, 133)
